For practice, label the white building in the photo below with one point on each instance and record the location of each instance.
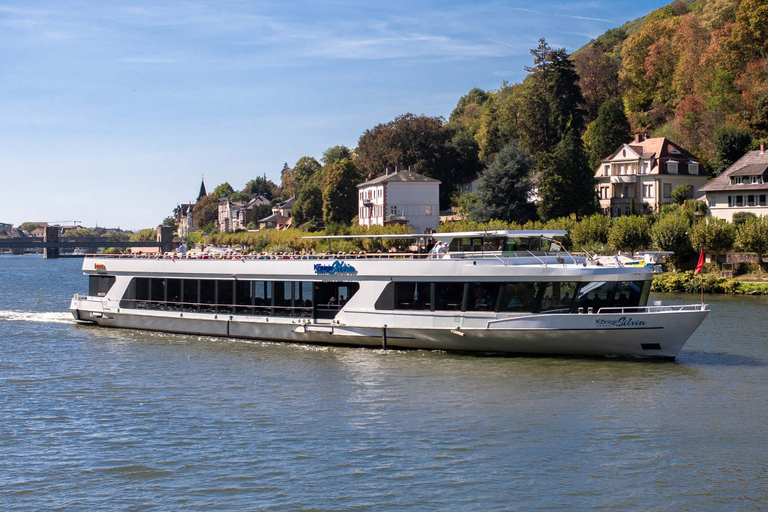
(400, 197)
(743, 187)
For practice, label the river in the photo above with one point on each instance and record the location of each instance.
(99, 419)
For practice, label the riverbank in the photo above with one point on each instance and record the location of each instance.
(687, 282)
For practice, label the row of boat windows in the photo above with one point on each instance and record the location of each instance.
(300, 299)
(531, 297)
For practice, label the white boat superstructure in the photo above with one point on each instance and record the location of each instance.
(501, 291)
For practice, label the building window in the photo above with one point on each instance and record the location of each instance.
(761, 199)
(607, 170)
(712, 201)
(693, 168)
(393, 210)
(667, 190)
(648, 190)
(672, 167)
(647, 167)
(429, 209)
(750, 200)
(757, 180)
(736, 180)
(628, 211)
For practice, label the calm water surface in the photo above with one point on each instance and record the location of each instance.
(97, 419)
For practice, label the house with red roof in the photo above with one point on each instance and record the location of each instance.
(639, 177)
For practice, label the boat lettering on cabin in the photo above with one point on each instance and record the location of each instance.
(338, 267)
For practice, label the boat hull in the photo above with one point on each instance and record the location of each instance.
(654, 332)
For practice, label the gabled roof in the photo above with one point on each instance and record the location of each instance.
(749, 165)
(658, 150)
(285, 204)
(400, 177)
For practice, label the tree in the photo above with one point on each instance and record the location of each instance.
(261, 186)
(681, 193)
(206, 211)
(308, 205)
(423, 143)
(340, 194)
(729, 143)
(29, 226)
(606, 133)
(505, 188)
(567, 184)
(598, 78)
(144, 235)
(223, 190)
(670, 233)
(753, 237)
(631, 233)
(591, 231)
(550, 100)
(170, 222)
(740, 218)
(474, 97)
(336, 154)
(715, 235)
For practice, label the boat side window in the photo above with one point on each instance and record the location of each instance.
(207, 295)
(173, 294)
(190, 289)
(595, 295)
(558, 296)
(142, 292)
(414, 296)
(519, 297)
(482, 296)
(449, 296)
(244, 297)
(631, 293)
(283, 298)
(98, 286)
(225, 298)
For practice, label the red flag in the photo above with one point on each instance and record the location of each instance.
(700, 264)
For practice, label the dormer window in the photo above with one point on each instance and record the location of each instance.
(756, 180)
(672, 167)
(736, 180)
(693, 168)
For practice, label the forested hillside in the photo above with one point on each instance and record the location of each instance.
(695, 72)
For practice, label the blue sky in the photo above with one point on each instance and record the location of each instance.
(110, 112)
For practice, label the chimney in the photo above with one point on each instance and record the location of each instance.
(762, 148)
(639, 138)
(388, 171)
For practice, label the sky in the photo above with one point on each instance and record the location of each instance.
(112, 112)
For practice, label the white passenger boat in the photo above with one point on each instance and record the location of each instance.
(493, 291)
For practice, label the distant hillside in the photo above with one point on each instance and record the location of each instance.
(693, 71)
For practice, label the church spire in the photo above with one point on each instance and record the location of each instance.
(202, 193)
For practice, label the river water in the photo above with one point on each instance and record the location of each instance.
(98, 419)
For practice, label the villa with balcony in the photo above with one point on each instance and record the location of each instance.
(639, 177)
(400, 197)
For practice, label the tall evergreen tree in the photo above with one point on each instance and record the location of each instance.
(551, 100)
(607, 132)
(506, 186)
(567, 183)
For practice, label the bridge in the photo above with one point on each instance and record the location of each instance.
(52, 245)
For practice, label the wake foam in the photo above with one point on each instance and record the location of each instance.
(27, 316)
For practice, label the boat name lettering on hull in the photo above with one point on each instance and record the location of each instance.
(338, 268)
(624, 321)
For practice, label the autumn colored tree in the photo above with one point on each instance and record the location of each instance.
(598, 78)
